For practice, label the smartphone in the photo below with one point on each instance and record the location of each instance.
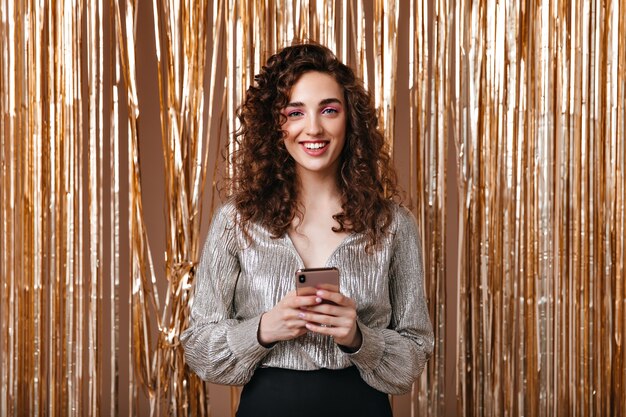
(309, 280)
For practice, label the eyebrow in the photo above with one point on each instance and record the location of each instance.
(321, 103)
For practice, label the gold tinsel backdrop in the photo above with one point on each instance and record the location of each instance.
(507, 124)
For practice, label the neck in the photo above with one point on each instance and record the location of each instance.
(317, 188)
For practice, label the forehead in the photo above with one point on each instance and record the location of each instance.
(314, 86)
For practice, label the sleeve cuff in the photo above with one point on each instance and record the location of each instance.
(242, 340)
(370, 353)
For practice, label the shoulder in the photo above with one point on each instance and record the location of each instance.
(403, 225)
(224, 231)
(228, 220)
(227, 214)
(224, 219)
(402, 217)
(227, 211)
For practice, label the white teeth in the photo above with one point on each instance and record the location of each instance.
(318, 145)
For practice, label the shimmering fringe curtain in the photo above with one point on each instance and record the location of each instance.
(530, 94)
(52, 232)
(540, 138)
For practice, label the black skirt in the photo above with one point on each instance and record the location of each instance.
(275, 392)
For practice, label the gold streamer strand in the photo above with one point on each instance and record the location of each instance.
(114, 226)
(618, 240)
(15, 299)
(343, 54)
(35, 59)
(229, 83)
(54, 311)
(7, 212)
(26, 331)
(361, 64)
(95, 172)
(390, 39)
(77, 276)
(26, 274)
(619, 360)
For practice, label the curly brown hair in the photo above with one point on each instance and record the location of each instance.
(264, 184)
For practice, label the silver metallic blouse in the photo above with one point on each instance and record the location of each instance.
(237, 281)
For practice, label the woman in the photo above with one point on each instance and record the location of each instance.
(312, 187)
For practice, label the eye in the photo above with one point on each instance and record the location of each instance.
(294, 113)
(330, 110)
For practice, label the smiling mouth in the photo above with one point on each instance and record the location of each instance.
(315, 146)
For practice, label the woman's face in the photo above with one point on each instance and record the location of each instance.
(316, 123)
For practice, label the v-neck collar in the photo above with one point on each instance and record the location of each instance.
(290, 244)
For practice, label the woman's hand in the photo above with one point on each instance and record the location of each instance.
(283, 322)
(337, 320)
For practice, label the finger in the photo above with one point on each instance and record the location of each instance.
(294, 294)
(335, 297)
(328, 309)
(288, 334)
(321, 319)
(296, 324)
(298, 301)
(329, 287)
(322, 329)
(305, 301)
(339, 316)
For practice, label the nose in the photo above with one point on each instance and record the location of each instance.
(314, 126)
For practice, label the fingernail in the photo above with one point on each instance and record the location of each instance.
(301, 315)
(320, 292)
(318, 300)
